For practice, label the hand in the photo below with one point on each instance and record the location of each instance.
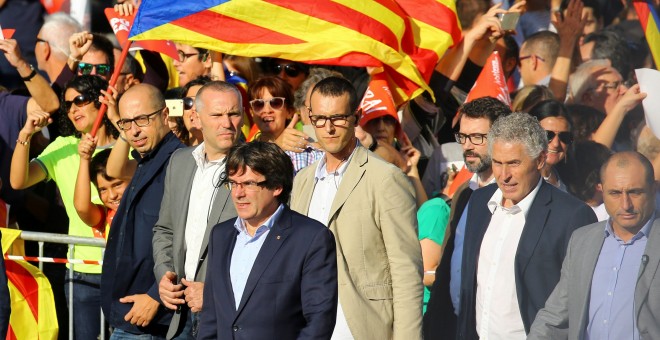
(171, 294)
(570, 25)
(292, 139)
(12, 52)
(488, 27)
(412, 156)
(86, 146)
(143, 311)
(35, 121)
(109, 98)
(630, 99)
(125, 9)
(364, 137)
(194, 294)
(79, 44)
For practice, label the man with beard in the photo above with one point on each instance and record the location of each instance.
(476, 118)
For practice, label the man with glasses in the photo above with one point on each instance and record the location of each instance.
(272, 272)
(537, 58)
(195, 199)
(476, 118)
(130, 298)
(370, 207)
(52, 47)
(294, 73)
(193, 62)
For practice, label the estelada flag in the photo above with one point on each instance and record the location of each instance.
(121, 25)
(649, 19)
(381, 33)
(378, 102)
(32, 305)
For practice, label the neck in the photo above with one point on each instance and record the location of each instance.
(54, 68)
(213, 155)
(195, 139)
(253, 224)
(485, 177)
(626, 234)
(333, 161)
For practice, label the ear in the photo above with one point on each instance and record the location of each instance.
(541, 160)
(587, 97)
(206, 60)
(131, 80)
(277, 191)
(194, 118)
(166, 115)
(599, 187)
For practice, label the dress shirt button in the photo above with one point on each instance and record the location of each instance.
(235, 328)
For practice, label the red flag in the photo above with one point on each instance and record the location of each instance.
(8, 32)
(121, 25)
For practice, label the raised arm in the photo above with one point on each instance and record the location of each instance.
(23, 173)
(607, 130)
(119, 165)
(569, 27)
(82, 196)
(43, 96)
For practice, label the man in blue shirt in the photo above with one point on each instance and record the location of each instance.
(608, 288)
(272, 273)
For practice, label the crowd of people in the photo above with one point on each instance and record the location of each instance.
(257, 198)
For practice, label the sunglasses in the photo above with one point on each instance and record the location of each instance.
(275, 103)
(188, 103)
(291, 70)
(564, 137)
(80, 101)
(101, 69)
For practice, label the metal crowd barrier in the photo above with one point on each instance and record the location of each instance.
(72, 241)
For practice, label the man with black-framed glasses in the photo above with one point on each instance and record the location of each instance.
(370, 206)
(130, 298)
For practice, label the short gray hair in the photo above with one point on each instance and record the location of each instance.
(519, 127)
(218, 86)
(584, 78)
(57, 29)
(316, 74)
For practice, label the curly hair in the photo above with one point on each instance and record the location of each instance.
(91, 85)
(522, 128)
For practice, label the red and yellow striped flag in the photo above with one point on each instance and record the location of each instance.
(405, 37)
(648, 17)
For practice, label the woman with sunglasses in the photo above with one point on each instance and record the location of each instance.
(272, 105)
(190, 90)
(60, 162)
(553, 117)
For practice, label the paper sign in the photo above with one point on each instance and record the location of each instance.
(649, 82)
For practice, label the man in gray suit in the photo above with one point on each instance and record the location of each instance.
(195, 199)
(608, 287)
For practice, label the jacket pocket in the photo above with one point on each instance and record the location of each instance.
(378, 292)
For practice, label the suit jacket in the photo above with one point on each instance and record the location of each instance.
(291, 292)
(439, 319)
(550, 221)
(373, 218)
(169, 241)
(128, 261)
(566, 313)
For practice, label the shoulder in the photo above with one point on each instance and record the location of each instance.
(589, 231)
(484, 193)
(61, 144)
(564, 201)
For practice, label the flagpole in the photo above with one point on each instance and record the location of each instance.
(113, 81)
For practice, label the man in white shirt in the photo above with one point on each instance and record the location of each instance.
(195, 199)
(516, 235)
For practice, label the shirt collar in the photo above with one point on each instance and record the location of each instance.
(199, 154)
(642, 232)
(239, 224)
(474, 181)
(522, 206)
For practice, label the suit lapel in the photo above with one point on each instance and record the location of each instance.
(302, 201)
(189, 168)
(350, 180)
(227, 246)
(648, 271)
(274, 240)
(219, 206)
(534, 224)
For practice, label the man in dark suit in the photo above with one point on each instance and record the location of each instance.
(272, 273)
(517, 229)
(193, 202)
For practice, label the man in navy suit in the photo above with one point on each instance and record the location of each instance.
(516, 235)
(272, 273)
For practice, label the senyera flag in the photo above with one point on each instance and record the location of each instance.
(122, 24)
(404, 37)
(650, 21)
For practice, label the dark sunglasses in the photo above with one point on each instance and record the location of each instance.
(80, 101)
(565, 137)
(188, 103)
(101, 69)
(291, 70)
(258, 104)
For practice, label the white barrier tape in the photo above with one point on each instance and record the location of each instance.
(51, 260)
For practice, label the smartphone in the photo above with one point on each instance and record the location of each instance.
(509, 20)
(309, 131)
(175, 106)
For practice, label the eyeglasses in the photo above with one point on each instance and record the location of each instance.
(615, 85)
(335, 120)
(188, 103)
(247, 185)
(41, 40)
(183, 56)
(101, 69)
(530, 56)
(80, 101)
(564, 137)
(475, 138)
(140, 121)
(291, 70)
(275, 103)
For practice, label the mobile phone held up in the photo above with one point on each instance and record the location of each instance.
(175, 107)
(509, 20)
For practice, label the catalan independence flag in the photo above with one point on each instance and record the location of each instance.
(648, 17)
(404, 37)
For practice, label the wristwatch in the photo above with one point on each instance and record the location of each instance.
(31, 75)
(374, 145)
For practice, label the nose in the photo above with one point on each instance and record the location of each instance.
(505, 173)
(329, 127)
(554, 141)
(113, 193)
(134, 129)
(626, 203)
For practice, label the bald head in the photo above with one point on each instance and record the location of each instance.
(624, 161)
(143, 117)
(147, 93)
